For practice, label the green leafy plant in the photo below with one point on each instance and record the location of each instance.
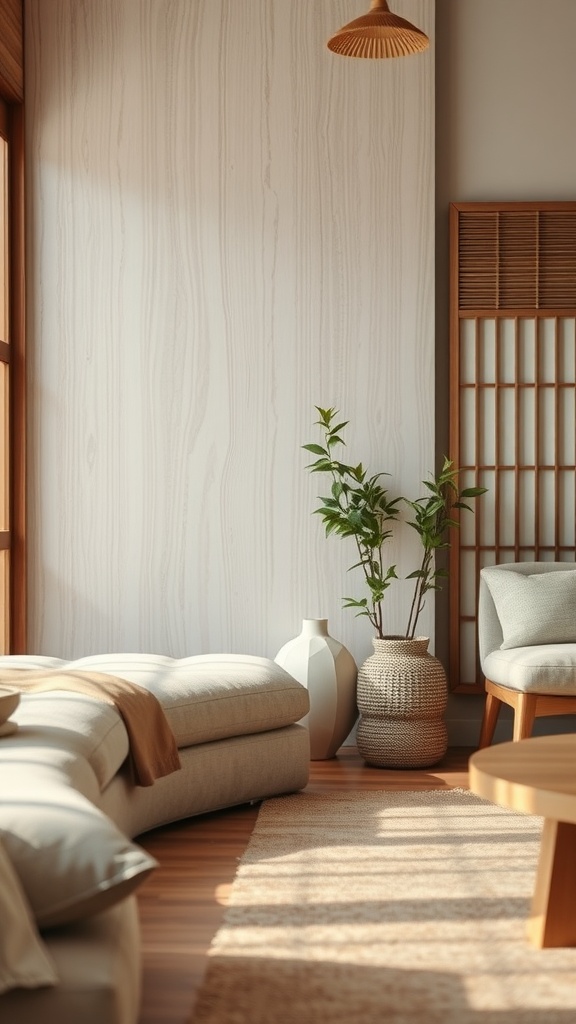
(358, 506)
(432, 521)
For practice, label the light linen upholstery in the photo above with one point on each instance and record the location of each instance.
(550, 669)
(153, 749)
(205, 698)
(538, 608)
(98, 964)
(24, 959)
(215, 775)
(81, 725)
(543, 668)
(71, 860)
(214, 696)
(97, 957)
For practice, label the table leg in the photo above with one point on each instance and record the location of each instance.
(552, 920)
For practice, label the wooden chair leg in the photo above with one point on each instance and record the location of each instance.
(524, 714)
(489, 719)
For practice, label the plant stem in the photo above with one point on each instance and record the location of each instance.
(373, 616)
(419, 591)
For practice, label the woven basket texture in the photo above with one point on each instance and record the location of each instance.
(401, 695)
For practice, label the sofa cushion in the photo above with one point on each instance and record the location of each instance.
(72, 861)
(205, 697)
(538, 608)
(153, 749)
(99, 967)
(69, 721)
(74, 722)
(24, 959)
(212, 696)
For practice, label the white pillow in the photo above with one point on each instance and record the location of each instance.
(535, 609)
(72, 861)
(24, 959)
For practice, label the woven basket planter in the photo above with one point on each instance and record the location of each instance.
(401, 696)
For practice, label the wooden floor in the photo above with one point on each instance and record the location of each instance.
(182, 903)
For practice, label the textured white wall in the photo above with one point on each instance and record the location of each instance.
(227, 225)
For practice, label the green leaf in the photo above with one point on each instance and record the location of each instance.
(325, 415)
(357, 473)
(433, 505)
(355, 519)
(321, 466)
(316, 449)
(451, 483)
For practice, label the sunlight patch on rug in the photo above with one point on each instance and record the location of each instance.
(376, 907)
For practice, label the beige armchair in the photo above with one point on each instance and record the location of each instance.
(527, 642)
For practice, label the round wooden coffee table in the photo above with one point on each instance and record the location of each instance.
(538, 776)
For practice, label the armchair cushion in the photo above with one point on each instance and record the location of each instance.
(550, 669)
(534, 609)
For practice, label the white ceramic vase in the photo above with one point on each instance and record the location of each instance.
(328, 671)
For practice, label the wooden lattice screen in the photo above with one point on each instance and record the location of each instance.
(512, 398)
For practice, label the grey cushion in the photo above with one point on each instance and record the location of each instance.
(549, 669)
(534, 609)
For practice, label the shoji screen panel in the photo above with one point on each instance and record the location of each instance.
(513, 398)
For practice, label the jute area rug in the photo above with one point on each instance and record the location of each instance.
(377, 907)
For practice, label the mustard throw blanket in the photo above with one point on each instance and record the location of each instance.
(153, 750)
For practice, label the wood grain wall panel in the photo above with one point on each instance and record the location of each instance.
(11, 50)
(228, 226)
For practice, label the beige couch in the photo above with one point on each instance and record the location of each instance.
(69, 811)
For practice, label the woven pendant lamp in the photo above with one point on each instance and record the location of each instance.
(378, 34)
